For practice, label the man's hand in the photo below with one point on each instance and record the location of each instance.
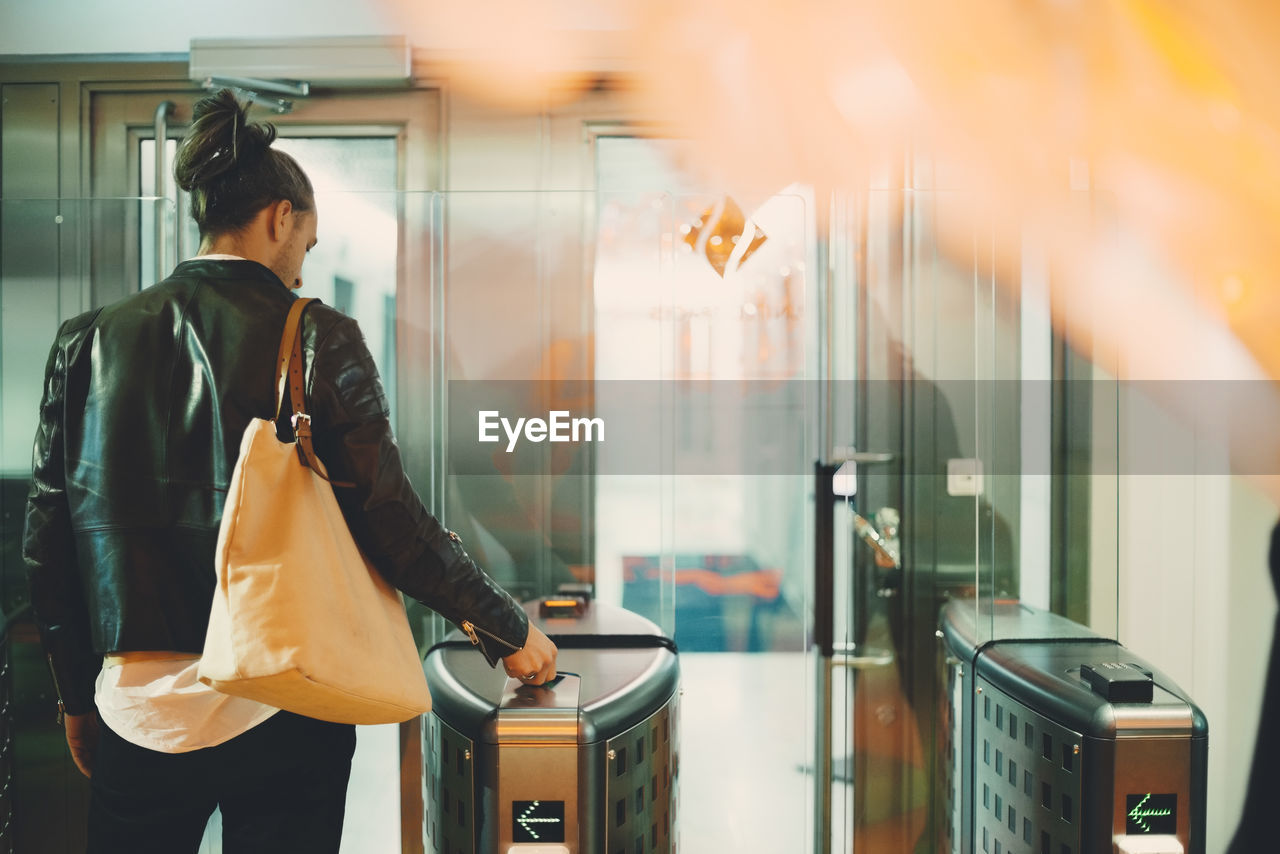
(536, 663)
(82, 738)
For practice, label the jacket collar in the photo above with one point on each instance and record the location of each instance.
(218, 268)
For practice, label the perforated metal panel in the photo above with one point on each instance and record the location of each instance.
(449, 789)
(1027, 779)
(950, 766)
(641, 785)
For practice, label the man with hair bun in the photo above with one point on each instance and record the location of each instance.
(144, 404)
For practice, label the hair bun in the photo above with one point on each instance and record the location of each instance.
(219, 104)
(221, 137)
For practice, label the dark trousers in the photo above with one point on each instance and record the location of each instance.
(282, 787)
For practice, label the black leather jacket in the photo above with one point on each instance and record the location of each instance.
(144, 405)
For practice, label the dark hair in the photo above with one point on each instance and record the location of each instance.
(230, 169)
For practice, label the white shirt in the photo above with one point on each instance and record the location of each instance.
(161, 705)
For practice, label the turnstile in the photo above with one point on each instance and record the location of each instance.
(1056, 740)
(586, 765)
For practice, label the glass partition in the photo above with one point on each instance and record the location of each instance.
(920, 458)
(675, 331)
(44, 263)
(697, 352)
(960, 436)
(47, 253)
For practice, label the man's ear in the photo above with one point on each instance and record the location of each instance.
(277, 220)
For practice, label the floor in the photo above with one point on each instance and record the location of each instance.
(746, 740)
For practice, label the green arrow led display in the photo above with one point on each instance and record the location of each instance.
(1151, 814)
(537, 821)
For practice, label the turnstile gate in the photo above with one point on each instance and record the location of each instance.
(1056, 740)
(586, 765)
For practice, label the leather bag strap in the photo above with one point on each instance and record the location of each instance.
(287, 340)
(290, 362)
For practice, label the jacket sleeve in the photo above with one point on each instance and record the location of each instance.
(48, 548)
(352, 435)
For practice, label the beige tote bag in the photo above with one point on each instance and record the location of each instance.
(300, 620)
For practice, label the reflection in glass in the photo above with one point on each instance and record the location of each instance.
(698, 290)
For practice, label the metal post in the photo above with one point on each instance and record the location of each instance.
(824, 639)
(832, 655)
(163, 111)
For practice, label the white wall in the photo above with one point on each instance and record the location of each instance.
(1194, 597)
(161, 26)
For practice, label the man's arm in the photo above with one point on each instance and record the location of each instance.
(48, 547)
(406, 543)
